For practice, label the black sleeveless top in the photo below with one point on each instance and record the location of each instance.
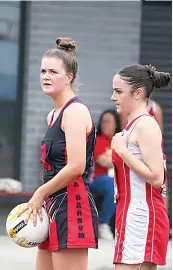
(53, 148)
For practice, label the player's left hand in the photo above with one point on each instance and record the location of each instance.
(34, 207)
(119, 142)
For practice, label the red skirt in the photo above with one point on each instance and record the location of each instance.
(141, 234)
(73, 219)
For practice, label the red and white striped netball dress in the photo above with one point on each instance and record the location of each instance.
(142, 225)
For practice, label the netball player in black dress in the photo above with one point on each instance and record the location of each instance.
(67, 150)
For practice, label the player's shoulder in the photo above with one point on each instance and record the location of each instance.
(76, 109)
(148, 124)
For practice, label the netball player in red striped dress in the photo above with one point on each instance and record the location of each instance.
(67, 151)
(142, 226)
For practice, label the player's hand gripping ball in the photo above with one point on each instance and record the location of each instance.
(26, 234)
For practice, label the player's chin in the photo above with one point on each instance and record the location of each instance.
(48, 91)
(119, 110)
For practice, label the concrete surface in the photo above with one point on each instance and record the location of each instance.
(13, 257)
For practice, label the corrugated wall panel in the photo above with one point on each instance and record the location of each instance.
(107, 34)
(156, 48)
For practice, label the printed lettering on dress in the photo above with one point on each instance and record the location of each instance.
(79, 214)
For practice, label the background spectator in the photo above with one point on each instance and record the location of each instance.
(103, 184)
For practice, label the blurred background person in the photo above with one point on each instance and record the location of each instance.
(103, 177)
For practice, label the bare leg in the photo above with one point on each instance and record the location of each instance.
(44, 260)
(143, 266)
(70, 259)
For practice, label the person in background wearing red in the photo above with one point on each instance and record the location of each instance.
(103, 183)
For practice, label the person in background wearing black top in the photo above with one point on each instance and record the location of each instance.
(67, 151)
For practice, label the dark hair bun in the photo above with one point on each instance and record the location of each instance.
(160, 79)
(66, 44)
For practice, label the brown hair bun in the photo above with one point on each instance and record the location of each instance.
(160, 79)
(66, 44)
